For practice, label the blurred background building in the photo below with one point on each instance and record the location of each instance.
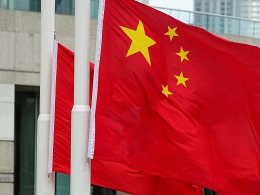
(20, 74)
(249, 10)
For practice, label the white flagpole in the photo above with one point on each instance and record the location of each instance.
(80, 165)
(45, 183)
(92, 127)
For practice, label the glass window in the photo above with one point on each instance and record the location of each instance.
(65, 7)
(25, 5)
(209, 192)
(257, 30)
(62, 184)
(214, 8)
(222, 11)
(4, 3)
(96, 190)
(63, 187)
(61, 6)
(256, 3)
(94, 8)
(197, 5)
(26, 113)
(35, 5)
(207, 6)
(198, 9)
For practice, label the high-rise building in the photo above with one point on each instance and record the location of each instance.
(248, 9)
(254, 11)
(245, 9)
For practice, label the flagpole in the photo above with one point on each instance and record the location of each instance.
(45, 183)
(80, 183)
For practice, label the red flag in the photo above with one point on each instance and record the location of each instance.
(103, 173)
(176, 101)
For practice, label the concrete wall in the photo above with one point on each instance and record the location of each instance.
(20, 65)
(240, 39)
(6, 139)
(145, 2)
(20, 43)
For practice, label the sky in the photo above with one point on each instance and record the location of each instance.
(175, 4)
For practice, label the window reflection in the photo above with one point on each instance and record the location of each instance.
(26, 112)
(61, 6)
(65, 7)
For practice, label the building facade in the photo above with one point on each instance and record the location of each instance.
(145, 2)
(246, 9)
(19, 89)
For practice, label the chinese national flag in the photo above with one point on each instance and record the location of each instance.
(177, 102)
(108, 174)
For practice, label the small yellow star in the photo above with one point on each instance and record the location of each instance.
(171, 32)
(183, 54)
(165, 91)
(181, 79)
(140, 41)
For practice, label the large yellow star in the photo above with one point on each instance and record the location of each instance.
(171, 32)
(183, 54)
(165, 91)
(181, 79)
(140, 41)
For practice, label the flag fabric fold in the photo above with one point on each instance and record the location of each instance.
(176, 101)
(108, 174)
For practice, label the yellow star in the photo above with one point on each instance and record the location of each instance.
(181, 79)
(165, 91)
(140, 42)
(183, 54)
(171, 32)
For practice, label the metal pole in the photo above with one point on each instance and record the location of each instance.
(254, 33)
(239, 27)
(45, 184)
(80, 165)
